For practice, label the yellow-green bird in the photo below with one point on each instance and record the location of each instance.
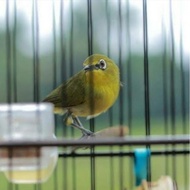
(88, 93)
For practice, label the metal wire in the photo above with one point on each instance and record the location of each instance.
(91, 94)
(146, 69)
(14, 53)
(165, 86)
(8, 54)
(110, 112)
(63, 73)
(183, 100)
(63, 66)
(169, 143)
(129, 153)
(55, 174)
(172, 74)
(9, 84)
(129, 71)
(35, 43)
(121, 98)
(129, 85)
(74, 166)
(172, 84)
(54, 47)
(121, 106)
(90, 27)
(147, 140)
(36, 71)
(90, 52)
(146, 81)
(63, 49)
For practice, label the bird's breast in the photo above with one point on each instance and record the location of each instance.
(99, 97)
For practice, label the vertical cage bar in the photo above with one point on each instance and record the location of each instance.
(172, 84)
(54, 68)
(55, 175)
(63, 52)
(121, 110)
(183, 101)
(92, 121)
(8, 53)
(90, 52)
(129, 71)
(9, 84)
(15, 62)
(90, 27)
(146, 80)
(108, 20)
(54, 46)
(14, 53)
(121, 107)
(183, 83)
(146, 69)
(129, 84)
(71, 73)
(108, 26)
(165, 93)
(35, 43)
(36, 74)
(63, 78)
(71, 38)
(172, 74)
(63, 49)
(110, 112)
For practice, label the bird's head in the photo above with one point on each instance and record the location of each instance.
(101, 66)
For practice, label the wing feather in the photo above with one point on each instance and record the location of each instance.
(69, 94)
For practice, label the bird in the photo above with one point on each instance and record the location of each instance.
(89, 93)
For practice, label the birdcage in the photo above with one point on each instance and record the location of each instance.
(141, 142)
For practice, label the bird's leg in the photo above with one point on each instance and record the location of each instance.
(85, 132)
(76, 119)
(67, 118)
(76, 123)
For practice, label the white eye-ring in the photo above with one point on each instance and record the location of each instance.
(102, 64)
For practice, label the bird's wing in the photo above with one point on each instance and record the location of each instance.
(54, 97)
(69, 94)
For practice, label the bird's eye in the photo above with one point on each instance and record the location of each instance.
(102, 64)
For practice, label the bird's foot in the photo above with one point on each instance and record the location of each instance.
(86, 132)
(74, 121)
(85, 136)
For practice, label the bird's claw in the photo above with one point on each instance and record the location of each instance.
(87, 132)
(85, 136)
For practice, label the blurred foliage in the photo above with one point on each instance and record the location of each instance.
(79, 51)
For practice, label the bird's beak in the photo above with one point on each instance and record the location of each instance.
(90, 67)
